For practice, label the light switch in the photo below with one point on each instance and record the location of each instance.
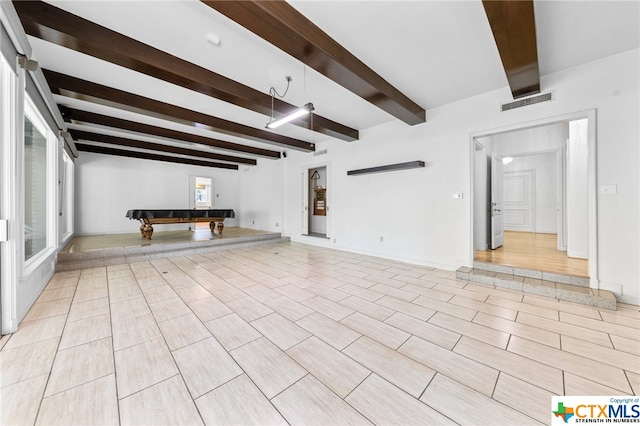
(608, 189)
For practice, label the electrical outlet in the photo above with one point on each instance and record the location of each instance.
(381, 239)
(277, 224)
(253, 222)
(334, 241)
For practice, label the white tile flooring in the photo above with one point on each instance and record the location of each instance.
(290, 333)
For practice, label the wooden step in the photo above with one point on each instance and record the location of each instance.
(562, 287)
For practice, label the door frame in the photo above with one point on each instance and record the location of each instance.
(497, 202)
(590, 115)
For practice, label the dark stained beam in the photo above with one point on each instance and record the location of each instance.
(282, 25)
(514, 30)
(57, 26)
(156, 157)
(70, 114)
(66, 85)
(133, 143)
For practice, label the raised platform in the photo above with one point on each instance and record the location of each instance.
(104, 250)
(559, 286)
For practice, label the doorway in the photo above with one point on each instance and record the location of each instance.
(315, 220)
(544, 175)
(200, 197)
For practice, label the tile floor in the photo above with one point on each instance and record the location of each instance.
(290, 333)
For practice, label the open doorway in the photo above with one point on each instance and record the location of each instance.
(534, 196)
(316, 196)
(200, 197)
(318, 202)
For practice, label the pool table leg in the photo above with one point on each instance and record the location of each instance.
(212, 226)
(146, 230)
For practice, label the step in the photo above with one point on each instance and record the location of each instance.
(562, 287)
(531, 273)
(140, 253)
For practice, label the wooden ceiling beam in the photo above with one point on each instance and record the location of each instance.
(148, 156)
(282, 25)
(57, 26)
(134, 143)
(514, 29)
(79, 116)
(73, 87)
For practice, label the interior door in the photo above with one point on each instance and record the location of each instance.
(497, 203)
(519, 203)
(305, 202)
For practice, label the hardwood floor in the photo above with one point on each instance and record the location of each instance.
(534, 251)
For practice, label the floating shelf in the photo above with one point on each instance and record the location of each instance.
(388, 168)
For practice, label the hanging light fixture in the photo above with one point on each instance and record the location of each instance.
(297, 113)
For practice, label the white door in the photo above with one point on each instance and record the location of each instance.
(305, 202)
(519, 203)
(497, 204)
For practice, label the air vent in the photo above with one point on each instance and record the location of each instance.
(526, 101)
(316, 153)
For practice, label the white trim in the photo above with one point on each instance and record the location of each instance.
(11, 198)
(590, 115)
(66, 197)
(11, 21)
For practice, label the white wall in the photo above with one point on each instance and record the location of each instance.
(415, 210)
(535, 140)
(108, 186)
(261, 198)
(577, 195)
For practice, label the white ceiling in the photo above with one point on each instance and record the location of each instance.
(435, 52)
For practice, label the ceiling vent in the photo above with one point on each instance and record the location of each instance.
(526, 101)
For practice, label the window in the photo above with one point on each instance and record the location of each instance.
(35, 183)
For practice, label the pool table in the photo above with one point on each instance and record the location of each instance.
(148, 218)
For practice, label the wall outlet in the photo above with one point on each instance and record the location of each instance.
(277, 224)
(253, 222)
(334, 241)
(381, 239)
